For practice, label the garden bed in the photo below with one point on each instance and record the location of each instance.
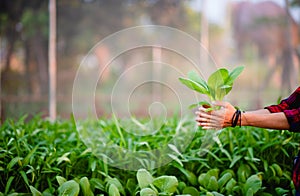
(40, 157)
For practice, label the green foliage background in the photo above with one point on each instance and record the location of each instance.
(48, 158)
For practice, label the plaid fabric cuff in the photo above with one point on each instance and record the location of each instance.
(293, 117)
(273, 108)
(278, 108)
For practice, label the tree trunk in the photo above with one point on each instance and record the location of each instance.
(52, 59)
(204, 32)
(27, 67)
(289, 77)
(41, 59)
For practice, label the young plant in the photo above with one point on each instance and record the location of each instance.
(217, 86)
(162, 185)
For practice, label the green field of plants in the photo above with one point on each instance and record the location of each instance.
(39, 157)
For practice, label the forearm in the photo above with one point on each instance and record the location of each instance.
(260, 111)
(265, 120)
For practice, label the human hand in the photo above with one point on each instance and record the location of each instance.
(215, 119)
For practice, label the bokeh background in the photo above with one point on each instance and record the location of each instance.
(263, 36)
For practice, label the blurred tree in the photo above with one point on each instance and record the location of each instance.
(35, 39)
(168, 12)
(10, 14)
(52, 59)
(25, 23)
(80, 25)
(252, 24)
(295, 3)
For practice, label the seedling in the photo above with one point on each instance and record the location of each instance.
(217, 86)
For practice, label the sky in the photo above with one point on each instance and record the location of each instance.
(216, 9)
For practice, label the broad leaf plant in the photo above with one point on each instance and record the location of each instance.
(217, 86)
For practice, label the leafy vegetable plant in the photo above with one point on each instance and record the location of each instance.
(217, 86)
(39, 157)
(162, 185)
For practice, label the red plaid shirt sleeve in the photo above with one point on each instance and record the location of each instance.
(291, 109)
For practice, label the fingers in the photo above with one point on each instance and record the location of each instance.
(209, 120)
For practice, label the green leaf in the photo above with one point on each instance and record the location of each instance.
(234, 74)
(117, 183)
(24, 176)
(147, 192)
(227, 88)
(249, 192)
(85, 187)
(27, 158)
(215, 81)
(97, 184)
(229, 186)
(131, 186)
(119, 131)
(203, 179)
(175, 158)
(192, 106)
(236, 158)
(34, 191)
(217, 86)
(113, 190)
(166, 184)
(181, 186)
(175, 149)
(194, 85)
(224, 179)
(201, 103)
(192, 75)
(13, 162)
(189, 190)
(60, 180)
(281, 191)
(144, 178)
(69, 188)
(8, 184)
(244, 171)
(189, 175)
(213, 184)
(254, 183)
(213, 172)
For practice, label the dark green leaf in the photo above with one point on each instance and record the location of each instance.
(235, 159)
(8, 184)
(189, 190)
(97, 184)
(24, 176)
(188, 174)
(13, 162)
(27, 158)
